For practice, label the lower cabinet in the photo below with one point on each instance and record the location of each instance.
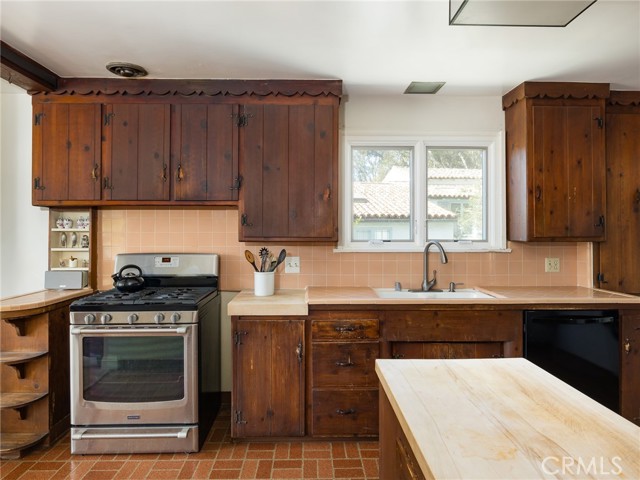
(630, 365)
(267, 398)
(343, 386)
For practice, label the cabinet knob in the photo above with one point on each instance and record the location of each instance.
(627, 346)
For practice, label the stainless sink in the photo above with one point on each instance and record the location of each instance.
(406, 294)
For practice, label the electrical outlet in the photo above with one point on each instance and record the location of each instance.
(292, 265)
(551, 265)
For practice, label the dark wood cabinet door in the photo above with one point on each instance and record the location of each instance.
(568, 171)
(204, 153)
(268, 383)
(288, 164)
(630, 366)
(136, 152)
(66, 152)
(619, 262)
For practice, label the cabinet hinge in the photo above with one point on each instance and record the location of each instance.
(600, 278)
(107, 118)
(600, 223)
(239, 420)
(600, 122)
(237, 182)
(242, 119)
(38, 119)
(238, 337)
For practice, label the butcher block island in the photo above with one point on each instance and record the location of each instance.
(496, 418)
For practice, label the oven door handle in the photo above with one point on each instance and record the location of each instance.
(84, 433)
(127, 331)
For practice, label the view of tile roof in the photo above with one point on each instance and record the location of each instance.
(389, 201)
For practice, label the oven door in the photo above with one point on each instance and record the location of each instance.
(134, 375)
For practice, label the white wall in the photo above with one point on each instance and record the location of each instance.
(23, 227)
(420, 114)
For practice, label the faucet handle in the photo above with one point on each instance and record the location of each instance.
(397, 286)
(453, 285)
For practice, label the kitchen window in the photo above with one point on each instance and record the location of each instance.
(398, 193)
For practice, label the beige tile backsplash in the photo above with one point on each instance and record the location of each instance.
(215, 230)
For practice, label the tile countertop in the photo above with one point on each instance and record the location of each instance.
(296, 301)
(40, 299)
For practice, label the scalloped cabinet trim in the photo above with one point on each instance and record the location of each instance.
(566, 90)
(194, 88)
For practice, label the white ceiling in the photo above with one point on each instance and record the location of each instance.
(375, 47)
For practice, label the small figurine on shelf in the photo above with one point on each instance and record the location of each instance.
(73, 262)
(63, 239)
(68, 223)
(61, 263)
(60, 222)
(74, 239)
(84, 243)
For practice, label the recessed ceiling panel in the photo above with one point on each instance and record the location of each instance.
(516, 13)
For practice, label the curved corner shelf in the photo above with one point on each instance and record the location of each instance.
(17, 360)
(11, 444)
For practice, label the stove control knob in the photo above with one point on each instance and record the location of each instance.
(175, 317)
(133, 318)
(89, 319)
(159, 317)
(105, 318)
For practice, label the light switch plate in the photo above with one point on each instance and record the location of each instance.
(292, 265)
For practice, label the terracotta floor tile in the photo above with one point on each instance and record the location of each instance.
(249, 469)
(226, 474)
(351, 473)
(278, 473)
(264, 469)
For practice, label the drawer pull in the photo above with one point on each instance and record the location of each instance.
(348, 363)
(345, 328)
(349, 411)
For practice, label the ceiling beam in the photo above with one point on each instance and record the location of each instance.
(22, 71)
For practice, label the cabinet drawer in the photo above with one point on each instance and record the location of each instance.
(337, 329)
(345, 412)
(344, 364)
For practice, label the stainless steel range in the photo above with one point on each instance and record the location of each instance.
(145, 362)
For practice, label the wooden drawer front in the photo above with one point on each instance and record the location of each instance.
(345, 329)
(348, 412)
(344, 364)
(427, 350)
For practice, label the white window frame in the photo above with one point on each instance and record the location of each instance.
(495, 194)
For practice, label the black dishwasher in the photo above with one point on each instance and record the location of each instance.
(581, 347)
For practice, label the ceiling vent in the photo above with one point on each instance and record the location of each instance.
(424, 88)
(126, 70)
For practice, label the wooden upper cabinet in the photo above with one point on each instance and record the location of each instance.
(618, 264)
(66, 153)
(288, 157)
(555, 150)
(204, 158)
(135, 153)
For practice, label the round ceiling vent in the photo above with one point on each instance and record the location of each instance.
(127, 70)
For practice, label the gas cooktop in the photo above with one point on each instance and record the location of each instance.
(160, 296)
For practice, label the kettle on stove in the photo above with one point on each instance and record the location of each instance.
(129, 282)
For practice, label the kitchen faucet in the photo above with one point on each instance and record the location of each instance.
(426, 283)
